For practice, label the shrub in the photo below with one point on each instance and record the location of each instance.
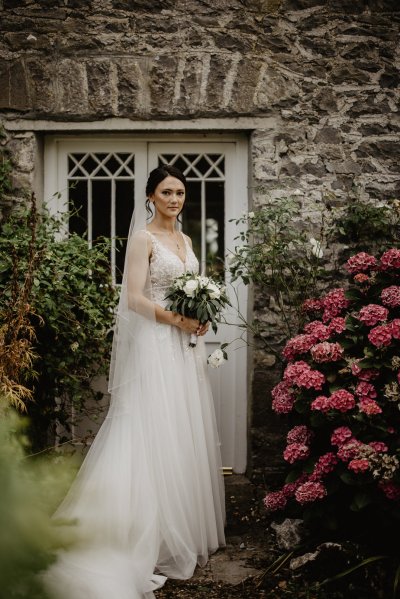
(341, 389)
(71, 303)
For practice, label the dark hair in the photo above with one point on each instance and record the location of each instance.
(159, 174)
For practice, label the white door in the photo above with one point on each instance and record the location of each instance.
(217, 193)
(99, 179)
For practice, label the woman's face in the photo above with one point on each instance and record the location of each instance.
(169, 197)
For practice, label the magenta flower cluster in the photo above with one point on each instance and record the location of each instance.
(342, 384)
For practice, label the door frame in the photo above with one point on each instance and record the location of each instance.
(55, 199)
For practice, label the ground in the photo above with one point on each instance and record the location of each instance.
(246, 567)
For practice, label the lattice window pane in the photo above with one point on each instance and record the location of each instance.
(101, 200)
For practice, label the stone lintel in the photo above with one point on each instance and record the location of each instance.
(120, 125)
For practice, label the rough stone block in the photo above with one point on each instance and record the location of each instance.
(134, 87)
(19, 95)
(328, 135)
(100, 87)
(43, 91)
(72, 87)
(4, 84)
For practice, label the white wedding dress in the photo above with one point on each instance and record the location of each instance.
(148, 501)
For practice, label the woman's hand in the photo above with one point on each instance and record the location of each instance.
(202, 329)
(189, 325)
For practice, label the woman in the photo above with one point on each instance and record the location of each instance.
(148, 501)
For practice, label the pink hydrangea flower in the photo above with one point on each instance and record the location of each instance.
(364, 374)
(289, 489)
(337, 325)
(334, 303)
(391, 490)
(295, 452)
(275, 500)
(365, 390)
(312, 305)
(381, 335)
(391, 296)
(379, 446)
(341, 435)
(298, 345)
(390, 259)
(321, 404)
(361, 262)
(318, 330)
(372, 314)
(348, 451)
(299, 434)
(300, 374)
(359, 466)
(325, 465)
(369, 407)
(342, 400)
(327, 352)
(361, 278)
(310, 491)
(395, 328)
(283, 398)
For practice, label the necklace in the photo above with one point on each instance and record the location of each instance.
(174, 238)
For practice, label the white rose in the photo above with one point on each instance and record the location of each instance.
(316, 248)
(251, 215)
(179, 283)
(213, 291)
(191, 287)
(216, 358)
(203, 282)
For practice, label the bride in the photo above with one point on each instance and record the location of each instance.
(148, 501)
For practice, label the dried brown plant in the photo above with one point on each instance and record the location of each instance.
(17, 333)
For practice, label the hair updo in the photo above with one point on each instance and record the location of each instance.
(159, 174)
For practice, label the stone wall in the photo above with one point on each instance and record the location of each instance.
(327, 72)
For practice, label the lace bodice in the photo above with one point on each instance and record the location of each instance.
(165, 266)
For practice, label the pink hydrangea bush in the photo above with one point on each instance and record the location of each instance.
(341, 388)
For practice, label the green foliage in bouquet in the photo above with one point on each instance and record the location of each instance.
(197, 297)
(71, 303)
(341, 390)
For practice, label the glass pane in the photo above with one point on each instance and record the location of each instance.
(191, 215)
(203, 165)
(215, 220)
(101, 209)
(77, 205)
(90, 164)
(221, 163)
(113, 164)
(123, 212)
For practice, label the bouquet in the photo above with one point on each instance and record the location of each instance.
(197, 297)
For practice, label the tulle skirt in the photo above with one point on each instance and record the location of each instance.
(148, 501)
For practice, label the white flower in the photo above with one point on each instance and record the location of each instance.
(191, 287)
(213, 291)
(316, 248)
(297, 192)
(251, 215)
(74, 346)
(204, 282)
(216, 358)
